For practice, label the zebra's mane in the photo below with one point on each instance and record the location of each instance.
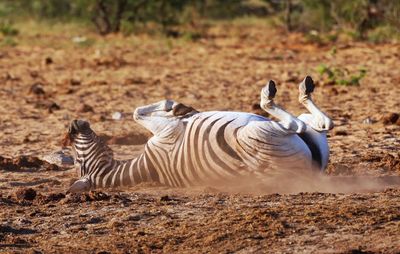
(98, 141)
(103, 144)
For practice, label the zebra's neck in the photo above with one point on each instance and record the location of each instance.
(96, 163)
(124, 173)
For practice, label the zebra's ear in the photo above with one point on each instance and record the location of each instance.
(81, 185)
(182, 110)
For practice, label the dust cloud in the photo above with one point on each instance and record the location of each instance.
(288, 181)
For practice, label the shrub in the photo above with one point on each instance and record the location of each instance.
(341, 76)
(7, 29)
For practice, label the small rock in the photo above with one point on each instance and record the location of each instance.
(35, 251)
(368, 120)
(53, 107)
(135, 217)
(75, 82)
(48, 60)
(60, 158)
(37, 89)
(84, 108)
(340, 133)
(94, 220)
(140, 233)
(117, 116)
(165, 198)
(390, 118)
(69, 91)
(25, 194)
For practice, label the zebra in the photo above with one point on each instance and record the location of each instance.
(192, 148)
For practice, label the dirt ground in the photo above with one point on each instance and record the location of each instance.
(46, 83)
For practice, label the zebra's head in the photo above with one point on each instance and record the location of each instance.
(76, 128)
(79, 126)
(90, 153)
(163, 117)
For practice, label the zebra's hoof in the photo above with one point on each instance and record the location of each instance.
(269, 91)
(307, 86)
(81, 185)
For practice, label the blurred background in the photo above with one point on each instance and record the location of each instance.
(319, 20)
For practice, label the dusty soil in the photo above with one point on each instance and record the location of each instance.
(355, 209)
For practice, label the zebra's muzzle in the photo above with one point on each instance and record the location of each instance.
(78, 126)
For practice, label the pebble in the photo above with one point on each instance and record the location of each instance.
(116, 116)
(340, 133)
(60, 158)
(368, 120)
(84, 108)
(390, 118)
(37, 89)
(25, 194)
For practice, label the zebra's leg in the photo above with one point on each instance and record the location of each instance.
(316, 141)
(287, 120)
(319, 121)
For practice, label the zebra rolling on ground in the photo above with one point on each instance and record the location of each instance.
(193, 148)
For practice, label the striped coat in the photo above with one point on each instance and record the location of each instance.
(191, 148)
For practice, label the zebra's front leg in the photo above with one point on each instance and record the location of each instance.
(287, 120)
(320, 121)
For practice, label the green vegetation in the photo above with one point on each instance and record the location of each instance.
(341, 76)
(322, 21)
(7, 29)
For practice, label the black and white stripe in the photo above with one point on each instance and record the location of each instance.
(210, 146)
(190, 148)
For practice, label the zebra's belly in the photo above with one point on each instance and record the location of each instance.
(212, 148)
(291, 154)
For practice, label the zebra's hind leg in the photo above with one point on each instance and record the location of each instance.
(287, 120)
(319, 121)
